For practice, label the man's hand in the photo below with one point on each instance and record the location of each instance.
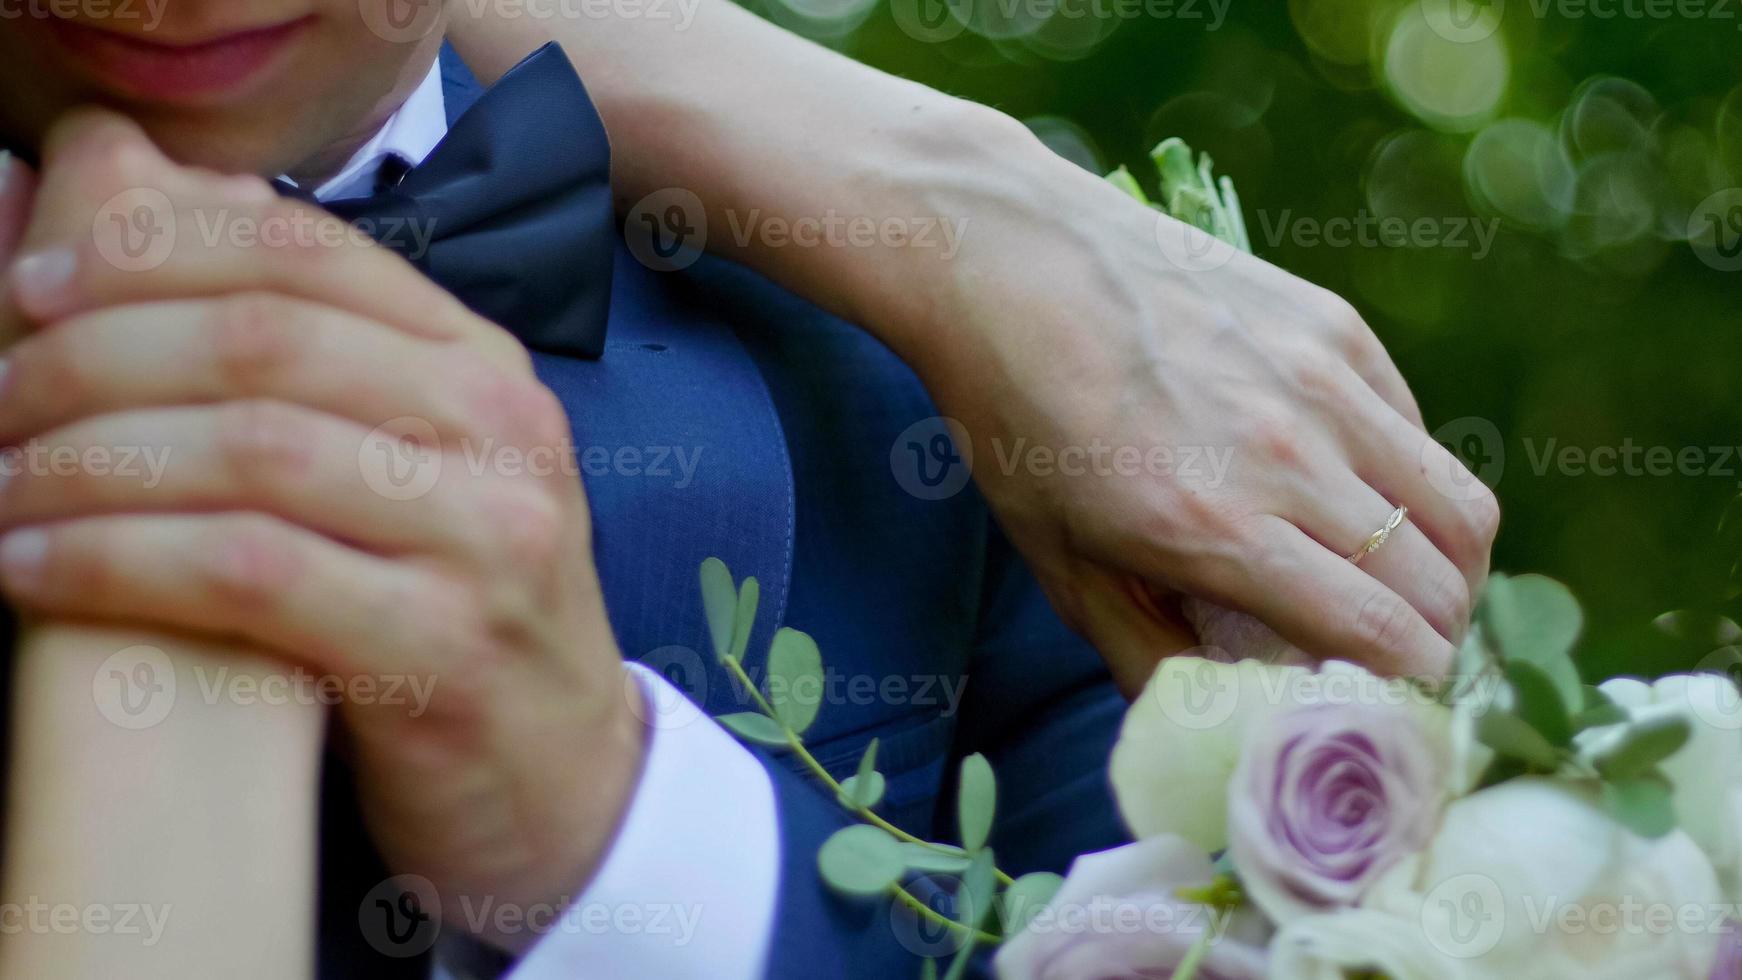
(281, 381)
(1291, 435)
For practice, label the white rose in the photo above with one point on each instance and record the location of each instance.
(1357, 942)
(1532, 878)
(1707, 771)
(1184, 735)
(1181, 740)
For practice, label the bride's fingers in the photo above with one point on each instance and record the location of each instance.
(1328, 607)
(1447, 503)
(1408, 563)
(295, 593)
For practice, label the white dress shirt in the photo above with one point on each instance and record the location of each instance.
(688, 887)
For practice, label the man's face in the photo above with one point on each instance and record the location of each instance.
(244, 86)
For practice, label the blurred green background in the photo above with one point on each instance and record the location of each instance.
(1569, 284)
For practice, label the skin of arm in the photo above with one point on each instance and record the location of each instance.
(184, 840)
(184, 846)
(1066, 318)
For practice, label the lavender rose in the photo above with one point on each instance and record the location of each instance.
(1729, 964)
(1326, 798)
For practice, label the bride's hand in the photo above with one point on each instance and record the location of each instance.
(1234, 432)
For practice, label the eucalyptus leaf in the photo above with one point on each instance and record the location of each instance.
(1641, 746)
(720, 603)
(753, 727)
(1538, 702)
(934, 858)
(1026, 898)
(1642, 804)
(1535, 619)
(861, 860)
(1514, 738)
(979, 888)
(749, 594)
(862, 790)
(1599, 716)
(976, 801)
(795, 678)
(1700, 628)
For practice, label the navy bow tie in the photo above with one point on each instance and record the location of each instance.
(512, 211)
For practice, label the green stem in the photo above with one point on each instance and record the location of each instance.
(810, 761)
(925, 911)
(1188, 967)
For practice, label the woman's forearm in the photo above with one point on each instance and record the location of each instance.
(767, 130)
(156, 827)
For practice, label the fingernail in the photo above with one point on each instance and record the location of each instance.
(40, 280)
(22, 555)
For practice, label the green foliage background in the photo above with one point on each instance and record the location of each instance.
(1590, 322)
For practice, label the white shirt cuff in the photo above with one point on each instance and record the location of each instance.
(689, 887)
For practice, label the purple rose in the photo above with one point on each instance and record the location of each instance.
(1729, 964)
(1325, 798)
(1119, 914)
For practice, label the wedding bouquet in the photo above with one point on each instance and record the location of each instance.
(1296, 821)
(1507, 823)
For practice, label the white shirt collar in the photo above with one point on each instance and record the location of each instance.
(410, 134)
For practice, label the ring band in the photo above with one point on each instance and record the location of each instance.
(1377, 539)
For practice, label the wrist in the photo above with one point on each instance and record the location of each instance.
(595, 775)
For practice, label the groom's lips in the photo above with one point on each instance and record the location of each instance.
(161, 71)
